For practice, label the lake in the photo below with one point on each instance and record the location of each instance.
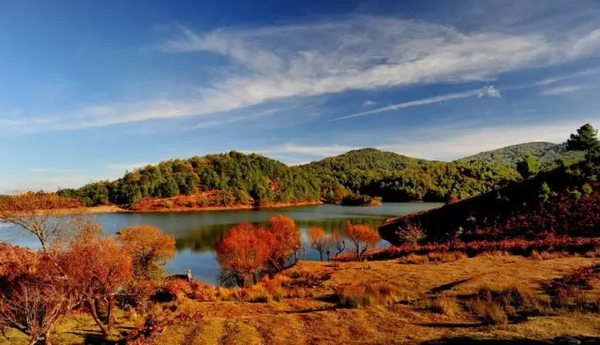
(197, 233)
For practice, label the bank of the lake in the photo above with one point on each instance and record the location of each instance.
(196, 233)
(235, 207)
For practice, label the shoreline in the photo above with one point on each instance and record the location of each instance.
(118, 209)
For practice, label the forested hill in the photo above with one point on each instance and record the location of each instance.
(225, 179)
(545, 153)
(396, 177)
(236, 178)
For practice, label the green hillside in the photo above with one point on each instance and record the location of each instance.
(245, 178)
(546, 153)
(396, 177)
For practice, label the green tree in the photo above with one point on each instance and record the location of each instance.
(545, 192)
(585, 140)
(169, 188)
(528, 166)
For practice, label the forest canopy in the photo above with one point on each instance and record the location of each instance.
(251, 179)
(247, 178)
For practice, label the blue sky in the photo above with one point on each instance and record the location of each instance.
(89, 89)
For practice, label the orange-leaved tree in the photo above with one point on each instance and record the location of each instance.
(363, 238)
(244, 251)
(338, 242)
(34, 292)
(36, 213)
(100, 269)
(285, 242)
(318, 240)
(149, 248)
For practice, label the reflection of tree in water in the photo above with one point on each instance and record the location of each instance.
(204, 239)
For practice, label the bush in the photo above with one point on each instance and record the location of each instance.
(411, 234)
(171, 289)
(586, 189)
(202, 292)
(354, 297)
(374, 294)
(356, 199)
(491, 313)
(414, 259)
(498, 307)
(535, 255)
(443, 304)
(278, 296)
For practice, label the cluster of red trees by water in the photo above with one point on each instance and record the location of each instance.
(79, 269)
(248, 250)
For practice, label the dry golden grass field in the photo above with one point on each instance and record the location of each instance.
(492, 298)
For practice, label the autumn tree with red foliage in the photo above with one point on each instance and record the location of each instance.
(338, 242)
(285, 242)
(245, 250)
(35, 292)
(99, 268)
(363, 238)
(318, 240)
(149, 248)
(36, 214)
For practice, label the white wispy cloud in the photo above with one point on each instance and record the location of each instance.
(369, 103)
(304, 60)
(553, 80)
(486, 91)
(559, 90)
(449, 142)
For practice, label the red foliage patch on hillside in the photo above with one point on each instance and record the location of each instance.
(512, 246)
(517, 211)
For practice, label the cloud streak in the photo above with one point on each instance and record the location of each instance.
(553, 80)
(486, 91)
(266, 64)
(559, 90)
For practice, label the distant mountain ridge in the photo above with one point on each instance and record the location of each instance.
(396, 177)
(236, 178)
(545, 152)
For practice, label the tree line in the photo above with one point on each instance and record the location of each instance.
(352, 178)
(240, 179)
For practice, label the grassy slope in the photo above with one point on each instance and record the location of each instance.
(546, 153)
(307, 321)
(317, 319)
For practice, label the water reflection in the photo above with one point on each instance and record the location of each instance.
(197, 233)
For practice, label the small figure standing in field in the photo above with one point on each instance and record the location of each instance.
(189, 275)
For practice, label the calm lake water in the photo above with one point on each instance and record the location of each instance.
(196, 233)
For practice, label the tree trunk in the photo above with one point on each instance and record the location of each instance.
(43, 242)
(94, 313)
(33, 340)
(47, 337)
(111, 307)
(255, 278)
(321, 255)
